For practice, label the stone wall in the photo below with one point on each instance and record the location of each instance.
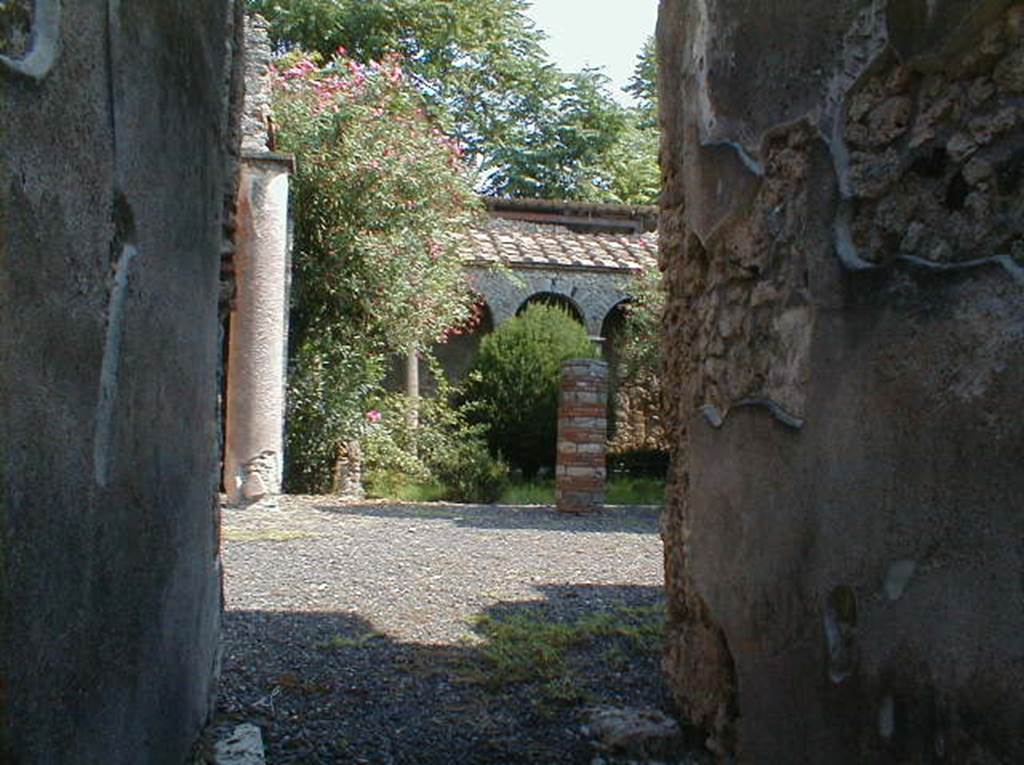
(595, 293)
(115, 132)
(842, 231)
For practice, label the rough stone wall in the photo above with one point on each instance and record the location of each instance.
(595, 293)
(112, 188)
(257, 114)
(638, 421)
(580, 470)
(842, 232)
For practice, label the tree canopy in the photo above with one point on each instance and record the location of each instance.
(529, 129)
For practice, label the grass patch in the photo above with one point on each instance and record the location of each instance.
(407, 491)
(636, 491)
(263, 535)
(523, 649)
(529, 493)
(620, 491)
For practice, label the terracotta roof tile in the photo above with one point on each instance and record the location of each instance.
(556, 246)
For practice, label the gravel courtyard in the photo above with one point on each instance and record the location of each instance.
(383, 633)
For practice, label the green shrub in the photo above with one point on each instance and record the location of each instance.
(442, 453)
(470, 473)
(513, 386)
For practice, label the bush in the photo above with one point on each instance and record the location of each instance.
(470, 473)
(513, 386)
(441, 451)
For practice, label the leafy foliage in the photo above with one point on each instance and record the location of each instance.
(380, 196)
(640, 353)
(442, 448)
(643, 85)
(530, 129)
(513, 386)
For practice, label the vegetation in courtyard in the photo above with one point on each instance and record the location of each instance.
(529, 129)
(640, 350)
(439, 455)
(380, 195)
(624, 490)
(521, 648)
(621, 491)
(513, 385)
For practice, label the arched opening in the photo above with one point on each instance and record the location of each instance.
(637, 446)
(457, 352)
(612, 334)
(557, 300)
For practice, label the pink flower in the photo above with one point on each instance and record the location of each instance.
(301, 69)
(373, 416)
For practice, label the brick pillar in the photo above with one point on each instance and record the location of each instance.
(582, 436)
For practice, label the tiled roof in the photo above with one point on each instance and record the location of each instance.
(523, 245)
(566, 206)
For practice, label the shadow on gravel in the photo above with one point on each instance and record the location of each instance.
(612, 520)
(328, 688)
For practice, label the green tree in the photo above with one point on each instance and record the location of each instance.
(513, 386)
(380, 199)
(631, 163)
(640, 353)
(643, 85)
(530, 129)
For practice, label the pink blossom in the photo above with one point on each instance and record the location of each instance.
(303, 68)
(373, 416)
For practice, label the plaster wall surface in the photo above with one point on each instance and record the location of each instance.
(112, 187)
(843, 235)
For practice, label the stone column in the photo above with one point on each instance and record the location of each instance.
(258, 344)
(412, 385)
(582, 433)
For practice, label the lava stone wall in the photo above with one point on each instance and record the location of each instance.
(115, 168)
(843, 233)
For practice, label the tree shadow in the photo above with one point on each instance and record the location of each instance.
(611, 520)
(327, 687)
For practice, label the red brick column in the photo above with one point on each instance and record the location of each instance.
(582, 436)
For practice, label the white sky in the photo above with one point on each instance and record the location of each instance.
(602, 33)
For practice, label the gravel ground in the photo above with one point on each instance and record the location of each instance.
(352, 633)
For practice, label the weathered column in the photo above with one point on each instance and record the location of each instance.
(258, 344)
(582, 433)
(412, 385)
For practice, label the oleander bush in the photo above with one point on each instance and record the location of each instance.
(380, 199)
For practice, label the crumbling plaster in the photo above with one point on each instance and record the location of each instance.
(116, 132)
(841, 231)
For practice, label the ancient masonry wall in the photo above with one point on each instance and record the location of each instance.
(842, 232)
(594, 293)
(117, 124)
(582, 433)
